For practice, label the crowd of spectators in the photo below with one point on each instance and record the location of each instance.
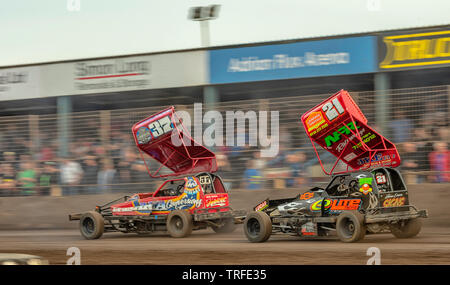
(33, 166)
(88, 168)
(423, 144)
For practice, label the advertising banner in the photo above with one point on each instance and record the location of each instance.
(125, 74)
(294, 60)
(19, 83)
(414, 50)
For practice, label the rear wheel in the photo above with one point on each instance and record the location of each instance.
(350, 226)
(227, 227)
(408, 229)
(91, 225)
(179, 224)
(257, 227)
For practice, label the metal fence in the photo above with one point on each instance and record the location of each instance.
(102, 157)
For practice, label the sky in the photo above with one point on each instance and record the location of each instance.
(35, 31)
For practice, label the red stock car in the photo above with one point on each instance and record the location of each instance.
(194, 199)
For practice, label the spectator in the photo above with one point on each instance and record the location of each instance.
(252, 176)
(90, 170)
(296, 162)
(71, 175)
(106, 176)
(443, 134)
(401, 127)
(280, 159)
(10, 157)
(80, 148)
(424, 148)
(223, 164)
(409, 161)
(285, 137)
(48, 177)
(46, 153)
(26, 179)
(133, 170)
(440, 162)
(8, 180)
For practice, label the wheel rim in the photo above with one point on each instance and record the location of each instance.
(88, 226)
(253, 227)
(177, 224)
(348, 228)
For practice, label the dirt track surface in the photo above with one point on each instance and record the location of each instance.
(53, 234)
(432, 246)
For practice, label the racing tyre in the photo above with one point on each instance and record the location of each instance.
(257, 227)
(409, 229)
(228, 226)
(92, 225)
(179, 224)
(350, 226)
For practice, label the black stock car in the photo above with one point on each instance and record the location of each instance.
(351, 206)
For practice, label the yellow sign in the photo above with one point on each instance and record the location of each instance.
(422, 49)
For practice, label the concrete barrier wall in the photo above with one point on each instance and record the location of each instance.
(21, 213)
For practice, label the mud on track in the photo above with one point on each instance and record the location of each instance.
(432, 246)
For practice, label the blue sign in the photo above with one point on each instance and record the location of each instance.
(295, 60)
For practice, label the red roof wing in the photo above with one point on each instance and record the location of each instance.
(163, 137)
(338, 126)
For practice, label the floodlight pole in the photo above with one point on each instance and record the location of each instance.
(204, 32)
(204, 15)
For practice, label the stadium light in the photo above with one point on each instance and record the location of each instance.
(203, 15)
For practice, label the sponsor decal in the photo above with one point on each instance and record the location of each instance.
(191, 183)
(189, 200)
(222, 201)
(337, 204)
(394, 202)
(336, 136)
(306, 196)
(144, 208)
(350, 156)
(143, 135)
(314, 121)
(341, 146)
(365, 138)
(377, 159)
(262, 206)
(365, 185)
(418, 49)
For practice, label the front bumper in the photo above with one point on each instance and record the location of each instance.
(412, 213)
(75, 217)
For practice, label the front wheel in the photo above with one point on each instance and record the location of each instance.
(350, 226)
(408, 229)
(92, 225)
(257, 227)
(228, 226)
(179, 224)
